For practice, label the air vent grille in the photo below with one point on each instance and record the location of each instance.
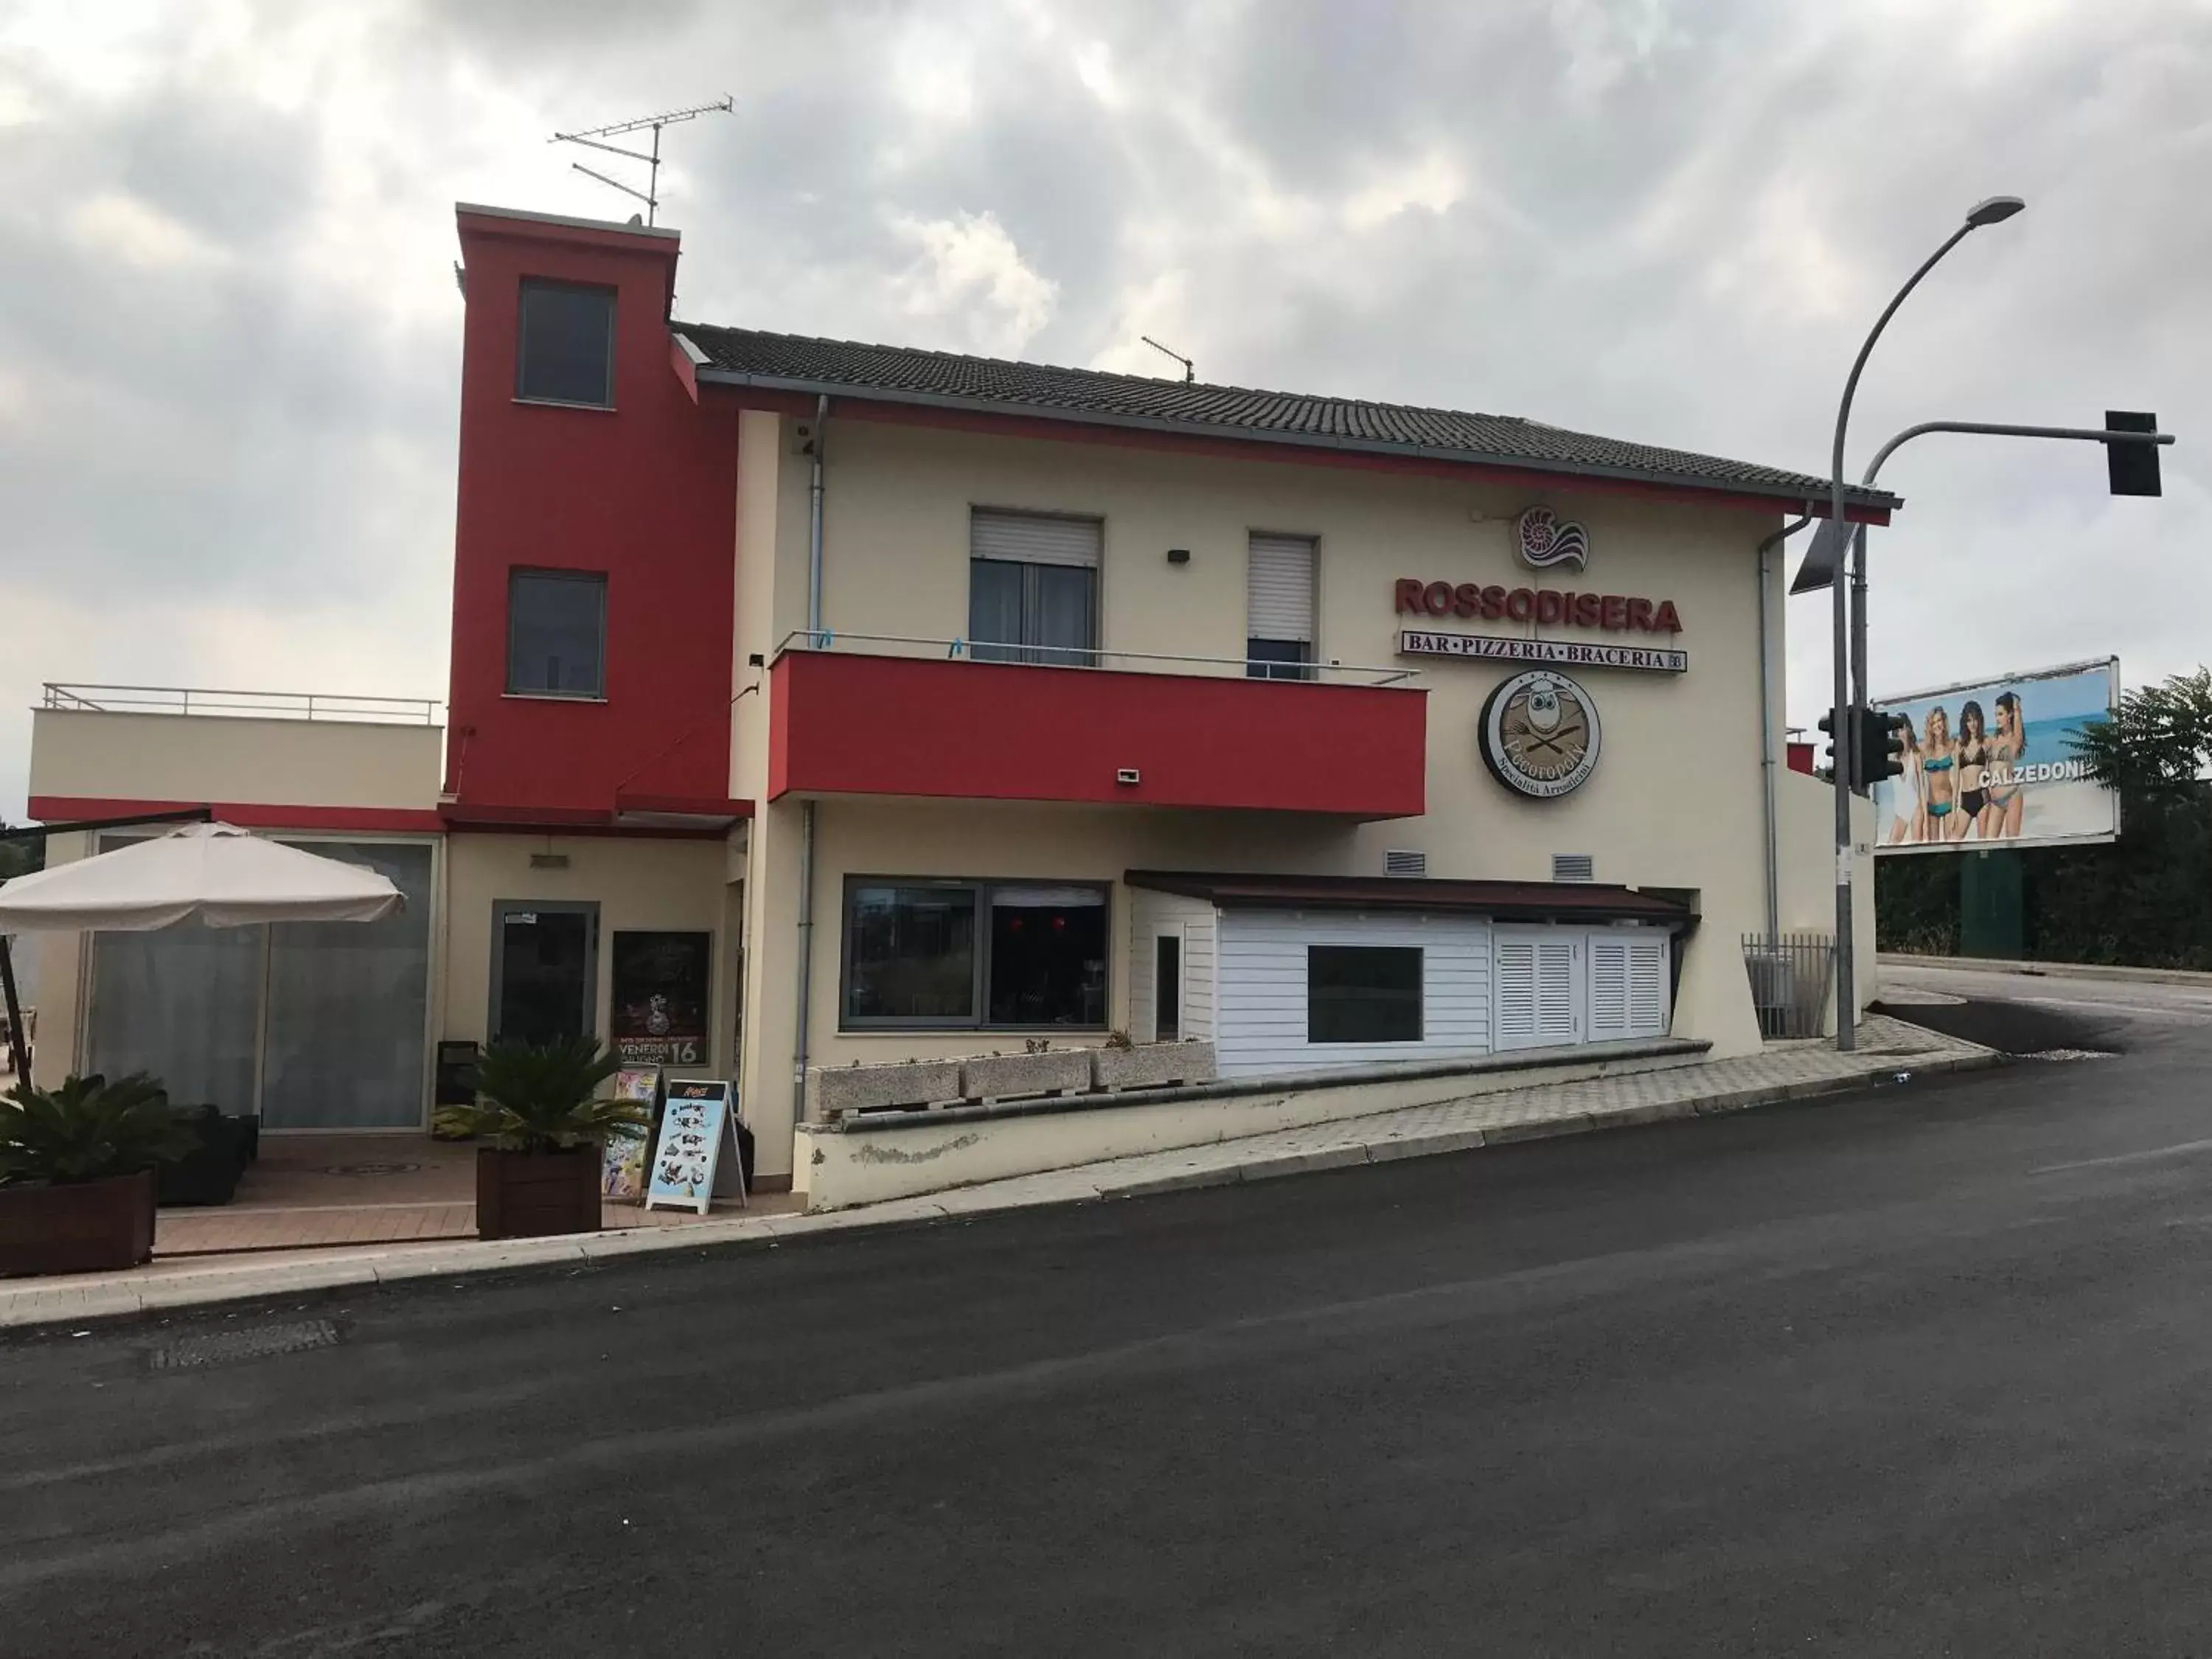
(1404, 861)
(1573, 867)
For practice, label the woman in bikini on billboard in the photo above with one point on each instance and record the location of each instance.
(1908, 817)
(1939, 789)
(1973, 755)
(2001, 816)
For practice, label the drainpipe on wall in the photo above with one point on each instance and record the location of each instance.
(1767, 725)
(806, 811)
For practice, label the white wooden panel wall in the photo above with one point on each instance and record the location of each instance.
(1262, 986)
(1152, 914)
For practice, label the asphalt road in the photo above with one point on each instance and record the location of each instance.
(1924, 1372)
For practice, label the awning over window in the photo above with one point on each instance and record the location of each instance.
(1505, 901)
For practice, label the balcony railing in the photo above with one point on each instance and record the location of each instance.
(258, 705)
(1329, 673)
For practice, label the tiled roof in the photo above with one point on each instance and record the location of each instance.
(797, 362)
(1518, 900)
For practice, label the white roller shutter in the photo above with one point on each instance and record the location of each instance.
(1033, 538)
(1648, 977)
(1279, 588)
(1609, 989)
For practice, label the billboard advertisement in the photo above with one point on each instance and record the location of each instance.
(1991, 763)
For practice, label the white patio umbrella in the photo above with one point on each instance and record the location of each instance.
(211, 873)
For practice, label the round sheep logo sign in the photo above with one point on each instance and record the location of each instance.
(1539, 734)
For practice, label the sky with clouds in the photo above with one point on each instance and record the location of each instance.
(229, 335)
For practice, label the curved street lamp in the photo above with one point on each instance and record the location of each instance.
(1993, 211)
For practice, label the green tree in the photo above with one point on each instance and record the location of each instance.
(19, 857)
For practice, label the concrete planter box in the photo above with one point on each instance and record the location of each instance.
(1010, 1077)
(1152, 1064)
(839, 1090)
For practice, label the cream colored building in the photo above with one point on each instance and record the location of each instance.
(1027, 671)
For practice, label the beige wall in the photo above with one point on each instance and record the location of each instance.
(637, 883)
(110, 756)
(1676, 799)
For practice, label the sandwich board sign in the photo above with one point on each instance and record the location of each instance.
(622, 1163)
(695, 1126)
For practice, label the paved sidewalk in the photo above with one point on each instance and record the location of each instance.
(1785, 1071)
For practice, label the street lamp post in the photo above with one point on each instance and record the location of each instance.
(1994, 211)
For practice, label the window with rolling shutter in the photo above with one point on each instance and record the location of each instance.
(1279, 607)
(1032, 588)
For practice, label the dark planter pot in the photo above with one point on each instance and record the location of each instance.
(530, 1194)
(96, 1227)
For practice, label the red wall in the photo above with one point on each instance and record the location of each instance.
(844, 723)
(647, 494)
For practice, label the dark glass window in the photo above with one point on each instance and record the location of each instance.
(1047, 955)
(657, 1015)
(1362, 994)
(556, 629)
(1020, 612)
(974, 953)
(566, 353)
(910, 954)
(1167, 989)
(1277, 659)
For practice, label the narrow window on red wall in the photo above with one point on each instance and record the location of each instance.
(557, 634)
(565, 350)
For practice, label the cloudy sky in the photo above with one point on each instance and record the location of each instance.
(229, 337)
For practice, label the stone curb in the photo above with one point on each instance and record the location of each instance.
(2049, 970)
(26, 1305)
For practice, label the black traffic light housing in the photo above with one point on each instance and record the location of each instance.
(1834, 758)
(2132, 469)
(1880, 748)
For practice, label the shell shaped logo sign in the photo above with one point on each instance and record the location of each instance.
(1539, 734)
(1545, 543)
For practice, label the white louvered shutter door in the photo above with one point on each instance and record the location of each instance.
(1513, 1001)
(1647, 986)
(1279, 588)
(1559, 991)
(1033, 538)
(1610, 1016)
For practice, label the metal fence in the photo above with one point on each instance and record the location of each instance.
(263, 705)
(1791, 977)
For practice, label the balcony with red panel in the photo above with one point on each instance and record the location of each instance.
(863, 717)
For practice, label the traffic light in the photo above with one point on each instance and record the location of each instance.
(1880, 748)
(2132, 469)
(1832, 760)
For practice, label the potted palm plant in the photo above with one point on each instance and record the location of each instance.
(540, 1111)
(77, 1172)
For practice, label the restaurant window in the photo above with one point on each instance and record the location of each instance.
(658, 1009)
(557, 628)
(1032, 588)
(1362, 994)
(1278, 605)
(974, 953)
(566, 351)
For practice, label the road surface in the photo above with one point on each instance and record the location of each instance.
(1923, 1371)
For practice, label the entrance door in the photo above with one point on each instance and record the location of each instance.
(544, 970)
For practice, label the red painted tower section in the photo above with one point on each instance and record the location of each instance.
(645, 492)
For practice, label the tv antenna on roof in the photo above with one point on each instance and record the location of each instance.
(1189, 368)
(596, 137)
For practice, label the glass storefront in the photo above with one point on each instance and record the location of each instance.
(315, 1026)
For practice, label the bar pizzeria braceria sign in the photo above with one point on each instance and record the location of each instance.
(1571, 653)
(1615, 613)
